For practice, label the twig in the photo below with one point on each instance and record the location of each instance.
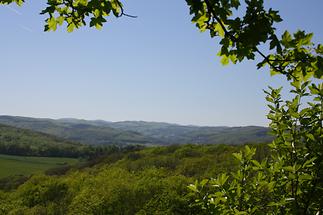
(123, 13)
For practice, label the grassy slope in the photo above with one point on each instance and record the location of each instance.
(22, 165)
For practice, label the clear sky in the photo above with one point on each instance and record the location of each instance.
(157, 67)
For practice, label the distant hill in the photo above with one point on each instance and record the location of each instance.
(179, 134)
(101, 132)
(168, 133)
(83, 132)
(17, 141)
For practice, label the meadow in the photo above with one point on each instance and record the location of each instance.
(25, 165)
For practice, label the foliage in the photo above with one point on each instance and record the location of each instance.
(295, 56)
(12, 182)
(15, 141)
(290, 181)
(147, 181)
(74, 13)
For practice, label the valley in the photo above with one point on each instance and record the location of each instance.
(99, 132)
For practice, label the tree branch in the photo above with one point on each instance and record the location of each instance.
(123, 13)
(234, 39)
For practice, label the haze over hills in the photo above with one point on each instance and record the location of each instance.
(80, 132)
(100, 132)
(179, 134)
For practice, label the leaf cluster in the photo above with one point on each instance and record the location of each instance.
(74, 13)
(240, 35)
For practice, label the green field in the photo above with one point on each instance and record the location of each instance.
(23, 165)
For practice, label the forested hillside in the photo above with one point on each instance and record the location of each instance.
(148, 181)
(15, 141)
(179, 134)
(99, 132)
(81, 132)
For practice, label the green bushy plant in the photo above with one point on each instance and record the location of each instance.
(290, 180)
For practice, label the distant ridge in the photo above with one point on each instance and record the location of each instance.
(83, 132)
(100, 132)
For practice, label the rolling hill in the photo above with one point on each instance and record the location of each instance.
(99, 132)
(179, 134)
(81, 132)
(17, 141)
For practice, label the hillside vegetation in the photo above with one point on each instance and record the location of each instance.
(179, 134)
(11, 165)
(81, 132)
(24, 142)
(99, 132)
(148, 181)
(16, 141)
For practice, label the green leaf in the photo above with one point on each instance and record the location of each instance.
(70, 27)
(204, 182)
(60, 20)
(305, 177)
(319, 49)
(275, 16)
(225, 60)
(289, 168)
(52, 24)
(193, 188)
(233, 58)
(238, 156)
(286, 39)
(222, 179)
(256, 163)
(218, 28)
(310, 136)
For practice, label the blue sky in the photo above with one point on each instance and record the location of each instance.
(157, 67)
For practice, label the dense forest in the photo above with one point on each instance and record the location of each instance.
(16, 141)
(138, 181)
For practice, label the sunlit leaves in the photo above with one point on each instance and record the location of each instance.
(70, 27)
(218, 28)
(75, 13)
(225, 60)
(286, 39)
(18, 2)
(298, 139)
(52, 24)
(290, 173)
(245, 33)
(288, 182)
(295, 55)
